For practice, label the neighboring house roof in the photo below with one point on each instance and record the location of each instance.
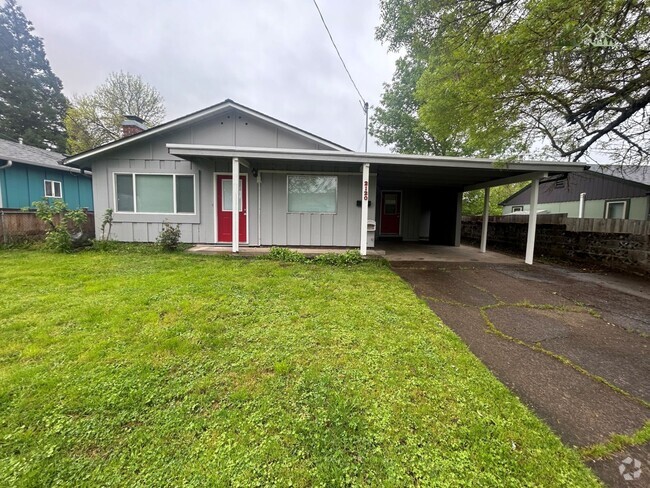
(23, 153)
(33, 156)
(637, 174)
(599, 182)
(195, 117)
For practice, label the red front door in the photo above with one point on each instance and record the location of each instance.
(391, 209)
(224, 209)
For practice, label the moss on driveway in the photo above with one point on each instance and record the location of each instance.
(148, 369)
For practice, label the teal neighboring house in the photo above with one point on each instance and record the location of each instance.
(28, 174)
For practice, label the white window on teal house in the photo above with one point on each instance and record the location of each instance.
(311, 194)
(52, 189)
(616, 209)
(154, 193)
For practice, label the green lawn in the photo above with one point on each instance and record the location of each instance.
(146, 369)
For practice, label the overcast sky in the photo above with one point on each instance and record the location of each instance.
(271, 55)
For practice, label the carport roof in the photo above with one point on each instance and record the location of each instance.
(465, 173)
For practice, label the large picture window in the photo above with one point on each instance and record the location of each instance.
(312, 194)
(154, 193)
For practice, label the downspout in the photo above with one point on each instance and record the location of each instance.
(581, 208)
(8, 164)
(259, 208)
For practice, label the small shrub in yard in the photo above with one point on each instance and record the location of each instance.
(169, 238)
(65, 230)
(107, 223)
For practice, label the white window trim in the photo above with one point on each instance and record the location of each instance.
(52, 184)
(517, 208)
(135, 200)
(608, 202)
(336, 196)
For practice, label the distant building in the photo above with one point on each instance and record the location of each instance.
(611, 192)
(28, 174)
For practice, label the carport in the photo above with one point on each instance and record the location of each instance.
(414, 190)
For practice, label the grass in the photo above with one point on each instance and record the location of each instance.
(144, 369)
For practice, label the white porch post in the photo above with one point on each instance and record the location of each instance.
(235, 205)
(365, 192)
(532, 220)
(486, 214)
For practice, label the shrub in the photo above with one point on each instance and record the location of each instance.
(169, 238)
(347, 258)
(65, 226)
(107, 223)
(353, 256)
(287, 255)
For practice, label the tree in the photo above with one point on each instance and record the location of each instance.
(512, 76)
(32, 105)
(95, 119)
(473, 200)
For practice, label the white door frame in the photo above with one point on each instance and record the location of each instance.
(216, 206)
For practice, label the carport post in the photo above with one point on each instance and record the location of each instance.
(532, 220)
(235, 205)
(486, 214)
(365, 192)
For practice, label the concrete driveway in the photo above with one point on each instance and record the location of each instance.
(574, 346)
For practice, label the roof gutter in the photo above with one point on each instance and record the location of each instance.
(8, 165)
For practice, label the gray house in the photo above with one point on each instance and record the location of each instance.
(296, 188)
(608, 191)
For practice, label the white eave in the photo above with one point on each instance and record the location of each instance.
(196, 150)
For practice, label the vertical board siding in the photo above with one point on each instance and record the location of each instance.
(281, 228)
(231, 128)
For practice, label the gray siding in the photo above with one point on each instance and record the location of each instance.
(234, 129)
(281, 228)
(596, 186)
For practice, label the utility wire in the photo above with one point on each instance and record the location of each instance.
(365, 104)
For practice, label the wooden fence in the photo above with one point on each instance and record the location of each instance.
(18, 226)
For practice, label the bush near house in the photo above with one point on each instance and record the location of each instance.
(157, 369)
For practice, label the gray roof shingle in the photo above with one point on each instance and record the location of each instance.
(638, 174)
(22, 153)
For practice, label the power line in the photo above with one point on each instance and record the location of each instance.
(339, 54)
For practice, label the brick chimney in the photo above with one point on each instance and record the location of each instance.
(132, 125)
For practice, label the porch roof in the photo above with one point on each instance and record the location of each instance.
(457, 172)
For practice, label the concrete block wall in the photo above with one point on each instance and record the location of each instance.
(617, 251)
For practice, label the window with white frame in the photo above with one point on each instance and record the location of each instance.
(311, 193)
(517, 208)
(154, 193)
(616, 209)
(52, 189)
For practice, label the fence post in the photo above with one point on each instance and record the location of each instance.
(4, 229)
